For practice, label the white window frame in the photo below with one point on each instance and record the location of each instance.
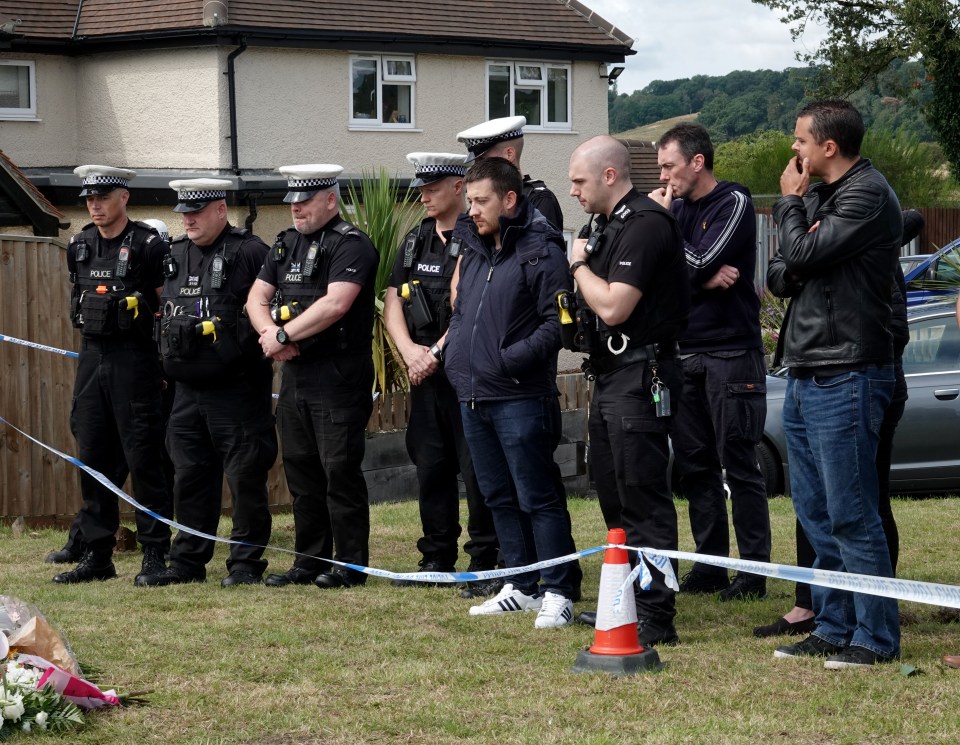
(383, 77)
(30, 112)
(519, 69)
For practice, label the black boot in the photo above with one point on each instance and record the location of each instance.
(66, 555)
(92, 566)
(153, 563)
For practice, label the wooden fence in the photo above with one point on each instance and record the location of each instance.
(36, 390)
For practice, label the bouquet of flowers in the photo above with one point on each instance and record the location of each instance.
(25, 706)
(36, 694)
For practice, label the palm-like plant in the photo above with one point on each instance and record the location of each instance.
(379, 209)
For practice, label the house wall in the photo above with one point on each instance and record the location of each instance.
(51, 139)
(155, 109)
(170, 109)
(293, 106)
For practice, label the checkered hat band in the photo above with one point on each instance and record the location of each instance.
(310, 183)
(446, 170)
(104, 181)
(200, 196)
(473, 142)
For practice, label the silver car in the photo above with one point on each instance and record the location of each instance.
(926, 447)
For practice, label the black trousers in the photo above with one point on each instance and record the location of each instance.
(223, 429)
(322, 418)
(117, 421)
(888, 427)
(629, 452)
(74, 540)
(719, 426)
(439, 450)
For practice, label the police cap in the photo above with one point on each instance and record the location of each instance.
(193, 194)
(100, 180)
(430, 167)
(484, 136)
(304, 181)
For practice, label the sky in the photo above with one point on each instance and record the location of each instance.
(683, 38)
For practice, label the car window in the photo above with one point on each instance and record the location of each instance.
(934, 346)
(948, 267)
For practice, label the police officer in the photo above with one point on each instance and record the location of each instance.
(417, 312)
(115, 267)
(313, 307)
(503, 138)
(222, 420)
(632, 299)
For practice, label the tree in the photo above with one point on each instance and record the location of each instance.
(865, 36)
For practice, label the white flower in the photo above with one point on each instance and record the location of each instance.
(12, 707)
(26, 726)
(41, 719)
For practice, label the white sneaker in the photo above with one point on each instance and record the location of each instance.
(555, 611)
(507, 600)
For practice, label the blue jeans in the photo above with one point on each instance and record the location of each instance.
(512, 444)
(832, 426)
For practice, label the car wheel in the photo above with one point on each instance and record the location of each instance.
(770, 468)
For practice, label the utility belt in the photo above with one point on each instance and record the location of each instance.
(648, 352)
(105, 344)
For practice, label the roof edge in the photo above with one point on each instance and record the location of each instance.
(599, 22)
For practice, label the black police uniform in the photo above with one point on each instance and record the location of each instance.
(628, 440)
(544, 200)
(116, 416)
(222, 419)
(326, 395)
(434, 437)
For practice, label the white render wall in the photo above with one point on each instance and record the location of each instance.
(170, 109)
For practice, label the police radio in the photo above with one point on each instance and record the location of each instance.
(216, 272)
(310, 264)
(123, 261)
(169, 265)
(453, 250)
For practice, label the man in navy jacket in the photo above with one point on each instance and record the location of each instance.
(501, 358)
(724, 389)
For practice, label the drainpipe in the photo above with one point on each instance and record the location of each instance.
(232, 88)
(76, 22)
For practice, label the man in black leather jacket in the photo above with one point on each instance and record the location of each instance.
(838, 247)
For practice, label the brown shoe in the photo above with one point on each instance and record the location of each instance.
(952, 661)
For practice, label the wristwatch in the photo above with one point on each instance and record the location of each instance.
(282, 337)
(576, 265)
(437, 352)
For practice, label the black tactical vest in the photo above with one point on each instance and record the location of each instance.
(203, 330)
(103, 299)
(303, 268)
(431, 263)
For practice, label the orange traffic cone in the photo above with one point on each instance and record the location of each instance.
(616, 648)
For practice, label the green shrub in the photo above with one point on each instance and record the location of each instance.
(379, 210)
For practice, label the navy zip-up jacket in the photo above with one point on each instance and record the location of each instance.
(504, 334)
(720, 228)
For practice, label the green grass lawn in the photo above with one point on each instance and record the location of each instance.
(383, 665)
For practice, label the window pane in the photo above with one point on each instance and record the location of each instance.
(397, 104)
(934, 346)
(527, 103)
(529, 73)
(557, 95)
(499, 91)
(364, 89)
(400, 67)
(14, 87)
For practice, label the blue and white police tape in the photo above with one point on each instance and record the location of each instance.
(34, 345)
(433, 577)
(66, 353)
(900, 589)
